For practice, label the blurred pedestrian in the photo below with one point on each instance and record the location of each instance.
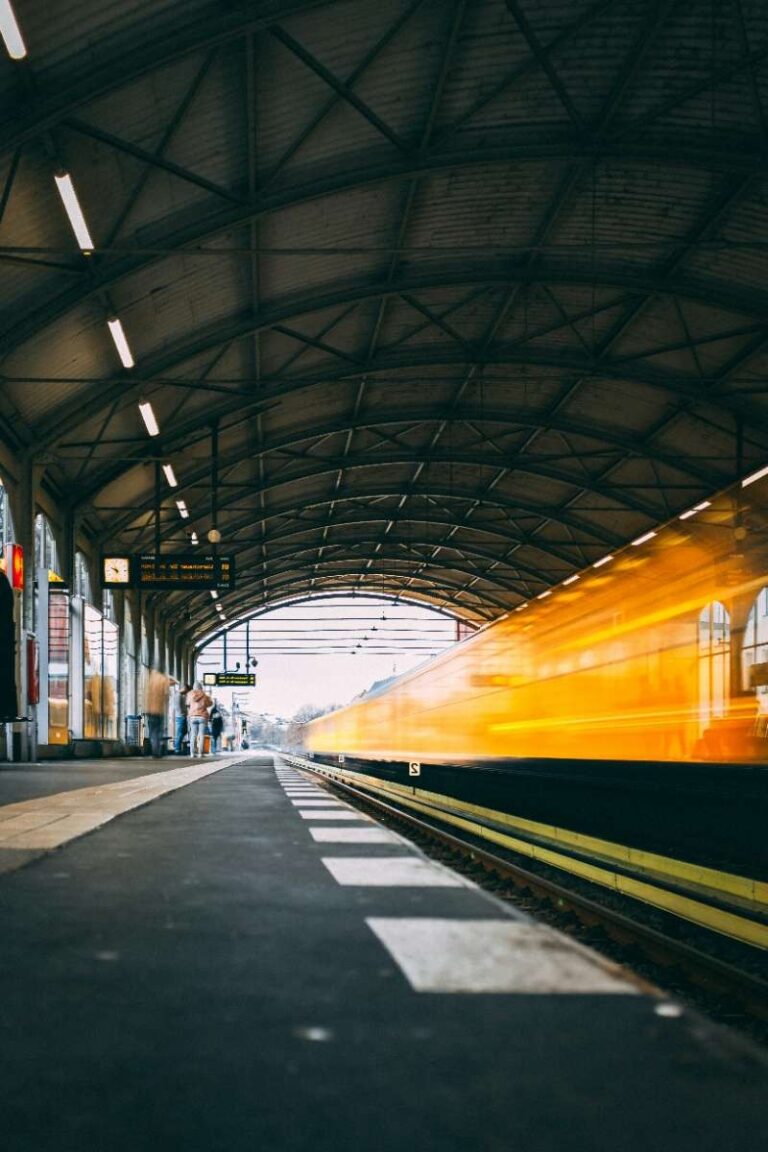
(217, 726)
(156, 708)
(180, 717)
(198, 704)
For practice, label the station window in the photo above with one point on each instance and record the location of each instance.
(714, 662)
(129, 662)
(100, 645)
(143, 666)
(82, 578)
(6, 524)
(108, 603)
(45, 544)
(754, 660)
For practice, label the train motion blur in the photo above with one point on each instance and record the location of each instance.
(657, 653)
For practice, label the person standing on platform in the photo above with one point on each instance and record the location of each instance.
(156, 708)
(180, 717)
(217, 726)
(197, 714)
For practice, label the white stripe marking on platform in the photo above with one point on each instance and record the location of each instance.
(389, 872)
(355, 836)
(493, 956)
(319, 804)
(331, 814)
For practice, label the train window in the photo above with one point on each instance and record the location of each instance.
(754, 657)
(714, 662)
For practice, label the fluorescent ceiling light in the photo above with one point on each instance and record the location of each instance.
(643, 539)
(183, 510)
(214, 596)
(148, 416)
(170, 475)
(698, 508)
(755, 476)
(605, 560)
(10, 32)
(123, 351)
(572, 579)
(520, 607)
(194, 538)
(541, 595)
(74, 211)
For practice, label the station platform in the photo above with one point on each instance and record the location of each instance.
(219, 955)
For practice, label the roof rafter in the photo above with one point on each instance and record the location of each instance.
(213, 220)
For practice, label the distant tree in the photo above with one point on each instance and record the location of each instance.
(295, 731)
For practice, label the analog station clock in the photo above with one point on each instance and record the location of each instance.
(116, 571)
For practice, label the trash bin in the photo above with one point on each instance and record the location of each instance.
(133, 731)
(206, 743)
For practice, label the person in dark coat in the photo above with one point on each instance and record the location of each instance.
(216, 721)
(8, 701)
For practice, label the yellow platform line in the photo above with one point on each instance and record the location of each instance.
(716, 919)
(50, 821)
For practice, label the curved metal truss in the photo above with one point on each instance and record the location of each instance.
(462, 316)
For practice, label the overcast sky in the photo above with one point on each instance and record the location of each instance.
(317, 653)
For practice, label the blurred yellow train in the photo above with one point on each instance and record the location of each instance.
(657, 653)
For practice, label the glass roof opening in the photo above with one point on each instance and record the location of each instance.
(319, 653)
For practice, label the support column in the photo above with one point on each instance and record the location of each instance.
(23, 510)
(69, 546)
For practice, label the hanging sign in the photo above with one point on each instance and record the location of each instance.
(229, 679)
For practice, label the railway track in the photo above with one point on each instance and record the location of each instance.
(570, 872)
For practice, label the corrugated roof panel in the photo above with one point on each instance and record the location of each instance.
(63, 39)
(355, 228)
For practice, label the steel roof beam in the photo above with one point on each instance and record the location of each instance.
(657, 14)
(246, 563)
(529, 65)
(705, 473)
(299, 579)
(151, 159)
(280, 536)
(137, 53)
(435, 593)
(342, 553)
(328, 467)
(126, 387)
(594, 534)
(214, 220)
(345, 91)
(545, 63)
(298, 601)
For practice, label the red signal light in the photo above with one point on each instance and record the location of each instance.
(14, 566)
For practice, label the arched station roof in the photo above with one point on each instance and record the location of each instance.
(473, 290)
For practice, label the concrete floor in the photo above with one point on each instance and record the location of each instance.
(192, 976)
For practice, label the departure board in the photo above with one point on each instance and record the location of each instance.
(177, 571)
(169, 572)
(229, 679)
